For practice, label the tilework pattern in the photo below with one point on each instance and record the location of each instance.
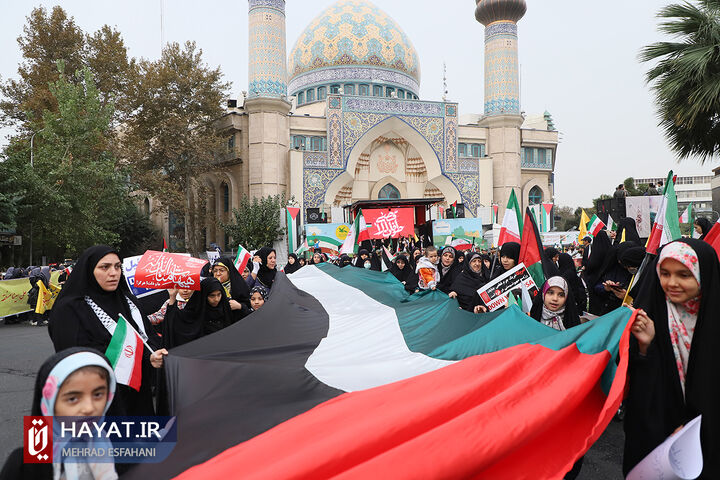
(353, 74)
(354, 33)
(315, 159)
(502, 84)
(350, 118)
(267, 70)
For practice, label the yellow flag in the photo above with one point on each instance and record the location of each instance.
(584, 220)
(46, 298)
(622, 237)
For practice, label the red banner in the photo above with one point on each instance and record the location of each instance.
(390, 222)
(160, 270)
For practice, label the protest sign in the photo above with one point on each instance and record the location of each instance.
(129, 266)
(212, 255)
(162, 270)
(390, 222)
(495, 293)
(469, 229)
(328, 237)
(14, 295)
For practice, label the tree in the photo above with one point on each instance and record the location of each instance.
(72, 195)
(686, 78)
(170, 139)
(49, 38)
(256, 223)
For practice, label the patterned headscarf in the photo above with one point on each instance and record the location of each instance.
(550, 318)
(682, 318)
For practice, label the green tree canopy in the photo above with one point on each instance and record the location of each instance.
(256, 222)
(686, 77)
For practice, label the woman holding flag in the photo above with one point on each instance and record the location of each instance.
(673, 371)
(94, 309)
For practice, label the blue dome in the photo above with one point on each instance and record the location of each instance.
(353, 40)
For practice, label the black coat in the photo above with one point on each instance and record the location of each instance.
(466, 285)
(654, 405)
(73, 323)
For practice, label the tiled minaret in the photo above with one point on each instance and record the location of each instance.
(267, 106)
(502, 93)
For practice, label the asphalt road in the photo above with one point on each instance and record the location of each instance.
(23, 348)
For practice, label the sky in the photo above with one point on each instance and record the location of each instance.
(578, 61)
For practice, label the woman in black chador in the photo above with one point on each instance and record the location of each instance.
(206, 312)
(674, 372)
(466, 284)
(87, 309)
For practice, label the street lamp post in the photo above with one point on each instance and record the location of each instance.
(32, 165)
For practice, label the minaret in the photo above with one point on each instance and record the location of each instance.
(267, 105)
(502, 94)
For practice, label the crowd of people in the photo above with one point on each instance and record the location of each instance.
(672, 375)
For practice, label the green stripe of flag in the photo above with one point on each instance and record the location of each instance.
(116, 343)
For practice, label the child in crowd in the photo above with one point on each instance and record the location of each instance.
(427, 270)
(552, 308)
(76, 382)
(182, 297)
(258, 295)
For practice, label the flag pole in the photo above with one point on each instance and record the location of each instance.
(138, 334)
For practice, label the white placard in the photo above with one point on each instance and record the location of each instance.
(678, 457)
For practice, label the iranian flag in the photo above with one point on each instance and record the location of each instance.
(292, 216)
(686, 217)
(595, 225)
(358, 233)
(241, 259)
(531, 251)
(611, 225)
(667, 225)
(512, 222)
(461, 244)
(125, 354)
(366, 381)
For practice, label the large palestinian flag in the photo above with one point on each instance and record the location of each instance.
(342, 374)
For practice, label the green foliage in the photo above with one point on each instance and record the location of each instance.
(72, 196)
(51, 37)
(686, 77)
(170, 138)
(256, 223)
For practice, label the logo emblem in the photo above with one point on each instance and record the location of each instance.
(38, 439)
(129, 351)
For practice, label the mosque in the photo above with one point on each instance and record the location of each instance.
(340, 120)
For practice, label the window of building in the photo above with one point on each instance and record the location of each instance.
(389, 192)
(301, 98)
(364, 90)
(299, 142)
(536, 196)
(146, 206)
(401, 93)
(316, 144)
(349, 89)
(310, 96)
(389, 91)
(231, 143)
(377, 91)
(476, 151)
(462, 150)
(226, 197)
(322, 93)
(334, 88)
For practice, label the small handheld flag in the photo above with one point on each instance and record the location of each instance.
(165, 249)
(125, 353)
(667, 225)
(595, 225)
(512, 222)
(241, 259)
(584, 220)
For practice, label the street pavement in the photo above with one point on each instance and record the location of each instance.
(24, 348)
